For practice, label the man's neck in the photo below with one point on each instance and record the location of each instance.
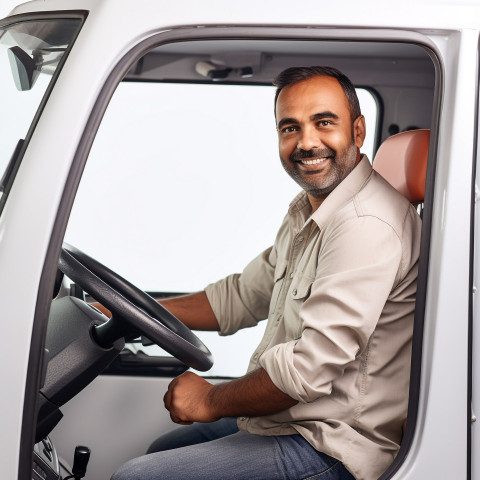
(315, 202)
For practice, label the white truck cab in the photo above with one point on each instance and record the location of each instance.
(131, 128)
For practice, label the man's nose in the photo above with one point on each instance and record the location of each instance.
(308, 139)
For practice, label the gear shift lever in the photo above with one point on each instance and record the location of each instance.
(80, 462)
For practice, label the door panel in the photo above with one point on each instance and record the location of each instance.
(117, 418)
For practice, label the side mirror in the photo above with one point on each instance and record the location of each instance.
(23, 68)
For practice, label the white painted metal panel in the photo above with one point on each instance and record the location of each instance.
(111, 30)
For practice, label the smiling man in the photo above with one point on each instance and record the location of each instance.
(326, 391)
(319, 138)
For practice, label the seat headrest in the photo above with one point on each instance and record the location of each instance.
(402, 161)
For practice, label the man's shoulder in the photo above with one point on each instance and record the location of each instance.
(378, 200)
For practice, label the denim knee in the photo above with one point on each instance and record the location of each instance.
(127, 472)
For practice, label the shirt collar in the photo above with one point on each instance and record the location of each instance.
(343, 193)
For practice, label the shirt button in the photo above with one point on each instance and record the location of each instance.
(242, 419)
(294, 292)
(300, 239)
(291, 275)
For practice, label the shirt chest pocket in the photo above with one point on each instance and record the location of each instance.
(297, 293)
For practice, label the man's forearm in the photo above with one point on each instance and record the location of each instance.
(252, 395)
(193, 310)
(191, 398)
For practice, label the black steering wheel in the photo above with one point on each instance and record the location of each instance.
(133, 311)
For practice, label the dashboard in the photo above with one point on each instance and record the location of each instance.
(46, 465)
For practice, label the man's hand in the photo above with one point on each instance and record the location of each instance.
(187, 400)
(190, 398)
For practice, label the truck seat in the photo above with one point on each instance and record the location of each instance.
(402, 161)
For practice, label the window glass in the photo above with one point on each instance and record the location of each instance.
(369, 107)
(183, 187)
(30, 53)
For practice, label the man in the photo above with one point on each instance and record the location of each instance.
(326, 392)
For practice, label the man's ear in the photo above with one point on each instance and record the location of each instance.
(359, 130)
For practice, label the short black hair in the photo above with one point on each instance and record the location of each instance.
(293, 75)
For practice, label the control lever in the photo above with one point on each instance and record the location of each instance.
(80, 462)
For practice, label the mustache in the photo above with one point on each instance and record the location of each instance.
(299, 155)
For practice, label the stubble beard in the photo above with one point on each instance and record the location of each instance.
(339, 169)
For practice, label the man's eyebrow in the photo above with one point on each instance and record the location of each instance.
(313, 118)
(286, 121)
(324, 115)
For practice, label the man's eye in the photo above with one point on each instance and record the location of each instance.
(324, 123)
(289, 129)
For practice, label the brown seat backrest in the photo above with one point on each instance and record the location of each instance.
(402, 161)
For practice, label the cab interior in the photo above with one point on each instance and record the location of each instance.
(147, 198)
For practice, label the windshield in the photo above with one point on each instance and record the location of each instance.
(30, 53)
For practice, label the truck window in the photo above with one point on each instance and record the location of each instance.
(179, 188)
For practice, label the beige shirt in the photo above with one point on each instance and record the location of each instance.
(338, 288)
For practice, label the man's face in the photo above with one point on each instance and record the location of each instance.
(318, 144)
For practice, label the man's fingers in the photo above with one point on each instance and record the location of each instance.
(167, 399)
(180, 399)
(175, 419)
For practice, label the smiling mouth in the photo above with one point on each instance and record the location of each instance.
(314, 161)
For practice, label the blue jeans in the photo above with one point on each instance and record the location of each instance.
(239, 456)
(193, 434)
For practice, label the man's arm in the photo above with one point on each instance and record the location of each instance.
(193, 310)
(191, 398)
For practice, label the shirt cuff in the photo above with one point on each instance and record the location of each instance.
(229, 311)
(278, 362)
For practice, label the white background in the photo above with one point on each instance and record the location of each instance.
(6, 6)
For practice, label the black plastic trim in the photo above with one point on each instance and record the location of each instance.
(232, 32)
(11, 172)
(141, 365)
(47, 279)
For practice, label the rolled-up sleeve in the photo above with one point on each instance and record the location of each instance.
(242, 300)
(358, 265)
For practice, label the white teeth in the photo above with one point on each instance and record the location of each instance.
(313, 162)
